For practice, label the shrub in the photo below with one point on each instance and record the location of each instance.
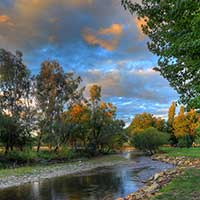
(21, 157)
(46, 155)
(149, 140)
(66, 153)
(185, 141)
(197, 137)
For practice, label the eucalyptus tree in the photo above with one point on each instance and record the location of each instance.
(106, 131)
(55, 92)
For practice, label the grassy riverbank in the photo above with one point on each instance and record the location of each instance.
(175, 152)
(21, 175)
(185, 186)
(18, 171)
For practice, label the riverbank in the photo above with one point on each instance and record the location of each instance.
(181, 183)
(22, 175)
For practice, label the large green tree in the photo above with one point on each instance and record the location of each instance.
(173, 29)
(15, 92)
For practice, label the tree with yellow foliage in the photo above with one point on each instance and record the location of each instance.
(186, 124)
(180, 124)
(105, 130)
(141, 122)
(170, 121)
(76, 121)
(171, 114)
(144, 121)
(92, 124)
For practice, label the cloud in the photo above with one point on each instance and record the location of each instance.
(115, 29)
(94, 38)
(68, 30)
(79, 3)
(139, 24)
(143, 84)
(38, 4)
(4, 19)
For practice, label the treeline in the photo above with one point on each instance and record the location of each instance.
(148, 132)
(49, 109)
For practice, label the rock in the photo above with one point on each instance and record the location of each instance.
(153, 184)
(157, 175)
(153, 188)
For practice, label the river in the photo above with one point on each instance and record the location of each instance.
(106, 183)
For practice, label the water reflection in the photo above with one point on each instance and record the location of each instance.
(100, 184)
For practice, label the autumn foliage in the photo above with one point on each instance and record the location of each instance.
(144, 121)
(183, 127)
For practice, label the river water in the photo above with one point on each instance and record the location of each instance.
(106, 183)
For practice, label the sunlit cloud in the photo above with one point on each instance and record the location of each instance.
(139, 23)
(115, 29)
(95, 38)
(4, 19)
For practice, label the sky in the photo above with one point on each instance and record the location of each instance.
(96, 39)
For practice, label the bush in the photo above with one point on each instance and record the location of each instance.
(46, 155)
(149, 140)
(21, 157)
(185, 141)
(197, 137)
(66, 153)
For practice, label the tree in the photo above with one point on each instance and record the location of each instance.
(173, 29)
(94, 101)
(197, 136)
(171, 116)
(145, 120)
(76, 120)
(159, 123)
(186, 124)
(55, 91)
(105, 131)
(180, 124)
(149, 140)
(15, 87)
(8, 132)
(182, 110)
(93, 126)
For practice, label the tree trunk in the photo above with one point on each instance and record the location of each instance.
(56, 149)
(6, 148)
(39, 143)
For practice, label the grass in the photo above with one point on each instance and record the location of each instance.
(40, 168)
(193, 152)
(184, 187)
(19, 171)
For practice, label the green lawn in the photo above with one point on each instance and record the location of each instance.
(184, 187)
(193, 152)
